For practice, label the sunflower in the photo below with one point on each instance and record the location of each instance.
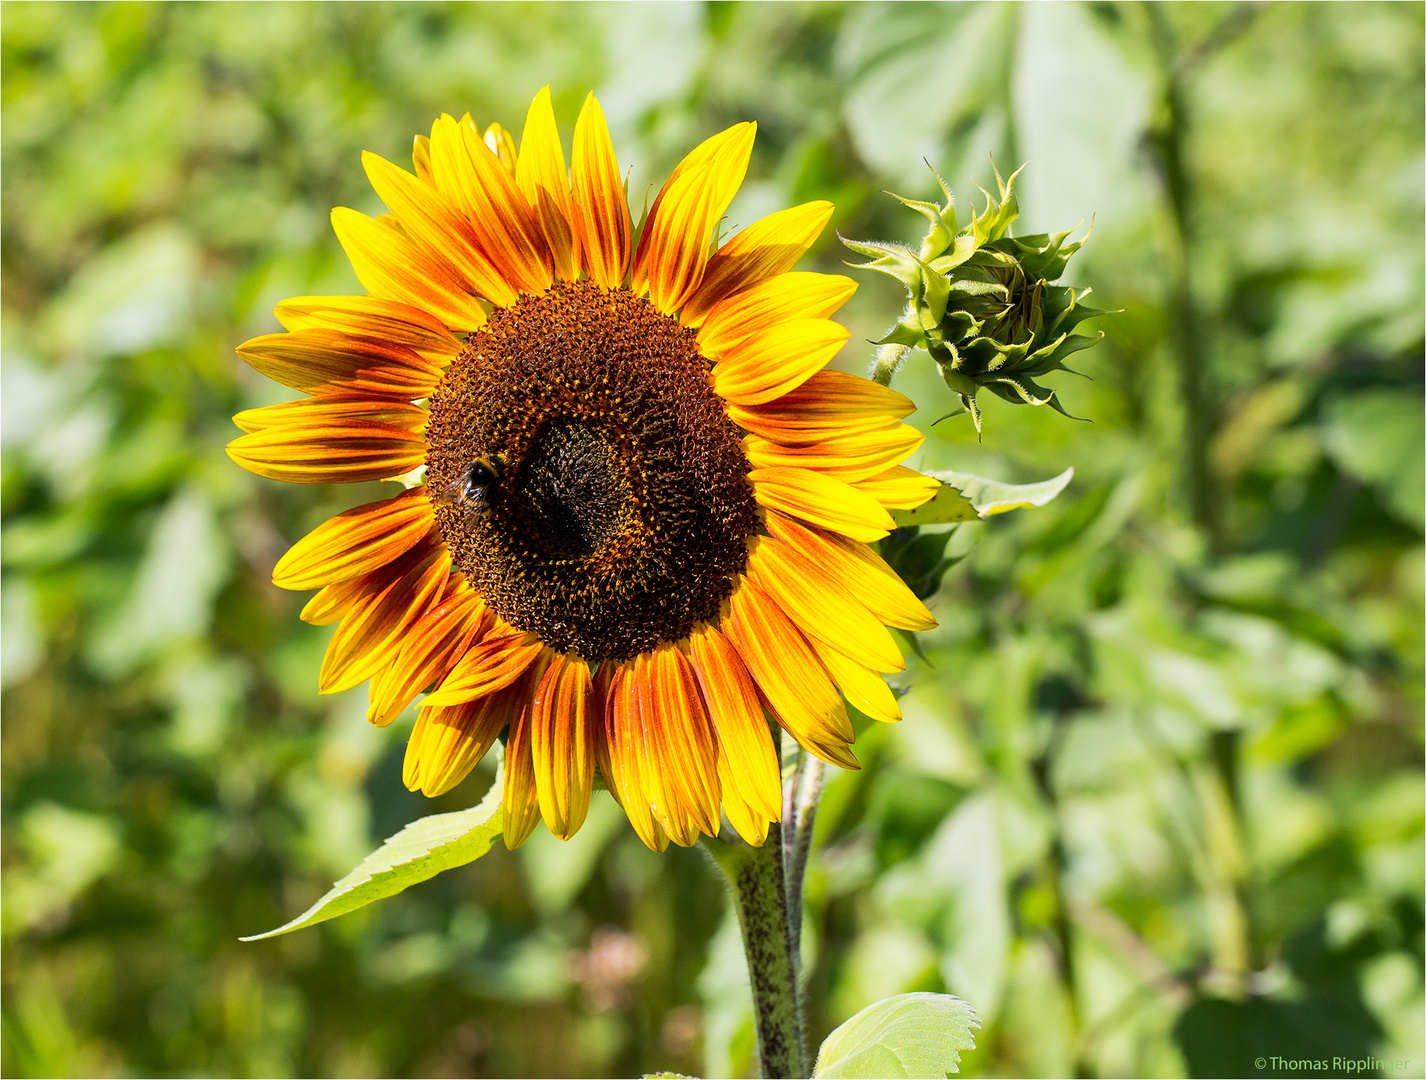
(644, 518)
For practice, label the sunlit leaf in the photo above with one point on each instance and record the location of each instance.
(421, 850)
(909, 1035)
(964, 497)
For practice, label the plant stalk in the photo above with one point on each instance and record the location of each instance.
(760, 899)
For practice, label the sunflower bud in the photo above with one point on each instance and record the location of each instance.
(982, 303)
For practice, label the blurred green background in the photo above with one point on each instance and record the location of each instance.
(1157, 804)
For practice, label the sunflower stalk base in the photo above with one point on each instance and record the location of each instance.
(760, 897)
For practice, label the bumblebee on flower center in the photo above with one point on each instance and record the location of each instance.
(623, 510)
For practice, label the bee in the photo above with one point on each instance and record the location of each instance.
(472, 489)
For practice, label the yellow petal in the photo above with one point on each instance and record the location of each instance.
(393, 267)
(562, 724)
(852, 457)
(765, 248)
(759, 369)
(822, 500)
(542, 176)
(762, 307)
(356, 542)
(600, 209)
(828, 404)
(673, 249)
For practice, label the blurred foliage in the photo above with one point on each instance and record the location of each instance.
(1157, 803)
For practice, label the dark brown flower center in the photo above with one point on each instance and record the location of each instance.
(620, 515)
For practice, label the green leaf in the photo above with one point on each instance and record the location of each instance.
(909, 1035)
(419, 851)
(963, 497)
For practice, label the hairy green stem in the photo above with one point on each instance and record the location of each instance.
(760, 899)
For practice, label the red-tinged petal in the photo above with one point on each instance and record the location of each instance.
(433, 644)
(617, 748)
(829, 404)
(542, 176)
(770, 365)
(437, 227)
(374, 628)
(761, 308)
(371, 317)
(685, 750)
(447, 743)
(320, 411)
(819, 606)
(520, 805)
(356, 542)
(324, 362)
(764, 249)
(789, 676)
(860, 569)
(748, 760)
(562, 726)
(858, 455)
(496, 662)
(822, 500)
(392, 266)
(673, 249)
(473, 178)
(600, 209)
(337, 452)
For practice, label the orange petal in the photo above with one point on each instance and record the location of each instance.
(375, 627)
(747, 759)
(394, 267)
(334, 407)
(822, 500)
(764, 249)
(371, 317)
(437, 226)
(433, 644)
(762, 307)
(617, 747)
(852, 457)
(447, 743)
(829, 404)
(600, 211)
(765, 367)
(679, 744)
(562, 725)
(819, 606)
(789, 676)
(862, 687)
(542, 176)
(860, 569)
(899, 488)
(472, 177)
(330, 362)
(336, 452)
(496, 662)
(520, 805)
(336, 599)
(673, 249)
(356, 542)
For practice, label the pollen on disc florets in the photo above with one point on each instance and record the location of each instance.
(622, 513)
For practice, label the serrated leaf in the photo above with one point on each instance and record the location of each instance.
(963, 497)
(909, 1035)
(420, 851)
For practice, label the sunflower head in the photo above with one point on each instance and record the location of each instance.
(635, 521)
(984, 304)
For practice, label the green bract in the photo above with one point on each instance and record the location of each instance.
(984, 304)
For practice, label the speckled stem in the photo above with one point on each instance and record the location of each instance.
(760, 899)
